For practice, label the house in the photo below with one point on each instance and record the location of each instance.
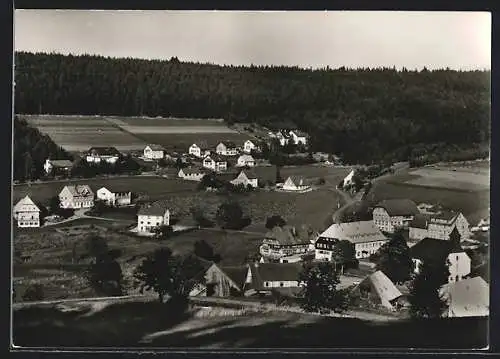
(154, 152)
(392, 214)
(245, 161)
(483, 225)
(246, 177)
(364, 235)
(298, 137)
(58, 167)
(438, 226)
(215, 163)
(468, 298)
(282, 277)
(192, 173)
(431, 250)
(152, 216)
(225, 281)
(378, 288)
(226, 148)
(195, 150)
(76, 197)
(283, 137)
(285, 241)
(103, 154)
(249, 146)
(26, 213)
(349, 179)
(114, 198)
(295, 184)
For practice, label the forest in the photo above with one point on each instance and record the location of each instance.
(31, 149)
(363, 115)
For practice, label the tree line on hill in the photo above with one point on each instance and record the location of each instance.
(364, 115)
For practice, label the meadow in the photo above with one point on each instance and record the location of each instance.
(153, 187)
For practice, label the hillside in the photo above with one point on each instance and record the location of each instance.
(31, 149)
(362, 114)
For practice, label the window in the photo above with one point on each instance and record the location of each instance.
(266, 284)
(456, 278)
(281, 284)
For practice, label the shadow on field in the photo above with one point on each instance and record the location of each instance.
(127, 324)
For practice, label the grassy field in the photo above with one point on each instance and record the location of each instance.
(139, 324)
(79, 133)
(154, 187)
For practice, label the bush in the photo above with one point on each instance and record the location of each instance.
(33, 293)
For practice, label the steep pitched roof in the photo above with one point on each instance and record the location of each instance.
(26, 202)
(114, 190)
(156, 147)
(155, 209)
(297, 180)
(469, 298)
(434, 250)
(420, 221)
(399, 207)
(274, 272)
(61, 163)
(382, 286)
(194, 170)
(249, 174)
(246, 158)
(289, 235)
(238, 274)
(299, 133)
(104, 151)
(228, 144)
(80, 190)
(354, 232)
(215, 157)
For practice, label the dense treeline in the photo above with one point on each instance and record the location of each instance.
(31, 149)
(362, 114)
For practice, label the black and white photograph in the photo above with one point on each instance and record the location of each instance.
(250, 179)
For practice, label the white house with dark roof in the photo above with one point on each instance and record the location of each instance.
(295, 184)
(57, 166)
(154, 152)
(364, 235)
(467, 298)
(192, 173)
(392, 214)
(152, 216)
(195, 150)
(245, 161)
(114, 198)
(76, 197)
(249, 146)
(103, 154)
(349, 179)
(226, 148)
(282, 277)
(438, 226)
(298, 137)
(246, 177)
(215, 163)
(26, 213)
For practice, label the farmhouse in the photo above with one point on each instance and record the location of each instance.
(282, 277)
(283, 137)
(298, 137)
(483, 225)
(437, 251)
(192, 173)
(224, 281)
(152, 216)
(103, 154)
(438, 226)
(27, 213)
(468, 298)
(378, 288)
(393, 214)
(114, 198)
(249, 146)
(58, 167)
(245, 161)
(75, 197)
(154, 152)
(285, 241)
(215, 163)
(295, 184)
(364, 235)
(226, 148)
(246, 177)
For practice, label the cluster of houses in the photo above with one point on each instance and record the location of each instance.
(285, 137)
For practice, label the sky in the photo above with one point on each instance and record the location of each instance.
(458, 40)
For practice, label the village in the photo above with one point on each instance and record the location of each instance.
(354, 245)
